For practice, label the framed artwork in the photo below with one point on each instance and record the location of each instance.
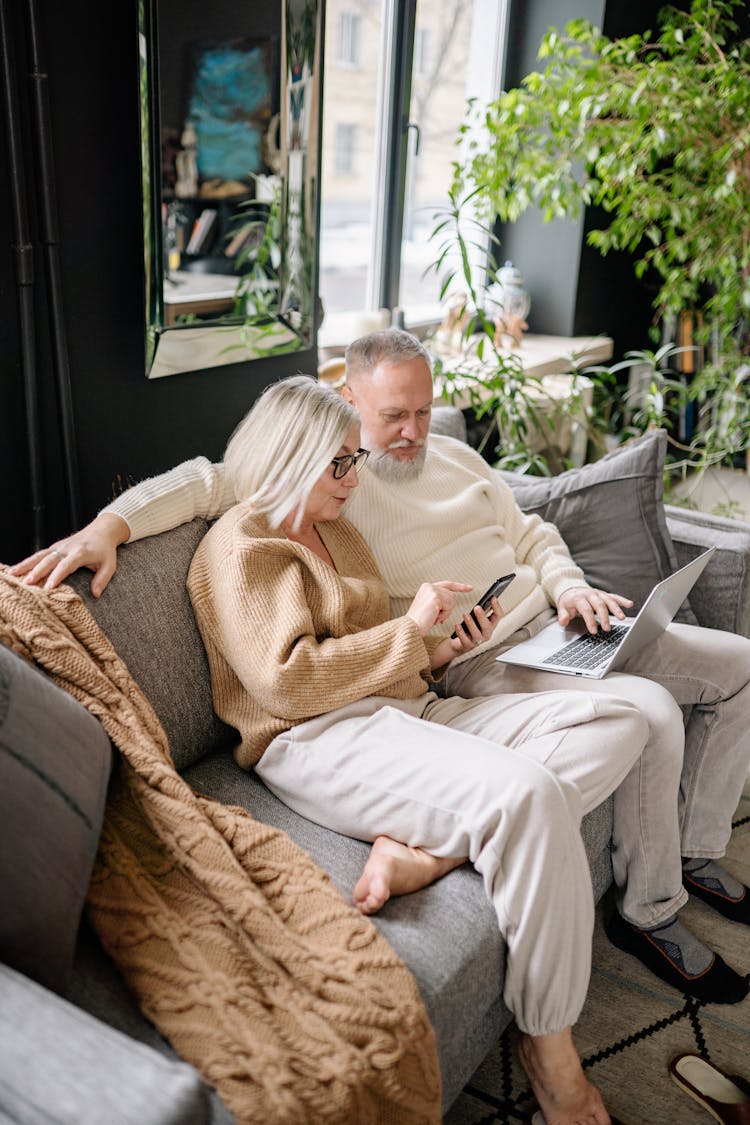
(230, 103)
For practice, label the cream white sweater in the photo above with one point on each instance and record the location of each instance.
(457, 521)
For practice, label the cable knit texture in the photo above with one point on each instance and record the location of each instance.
(237, 945)
(288, 637)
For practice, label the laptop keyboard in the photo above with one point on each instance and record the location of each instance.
(589, 650)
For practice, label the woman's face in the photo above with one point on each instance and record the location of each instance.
(329, 495)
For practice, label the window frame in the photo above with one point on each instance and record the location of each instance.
(394, 140)
(396, 137)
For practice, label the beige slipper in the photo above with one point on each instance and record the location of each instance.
(725, 1096)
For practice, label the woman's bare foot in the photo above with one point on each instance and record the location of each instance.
(554, 1070)
(395, 869)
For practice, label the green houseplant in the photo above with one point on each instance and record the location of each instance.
(517, 415)
(655, 130)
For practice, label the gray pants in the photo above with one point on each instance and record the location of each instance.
(681, 794)
(504, 781)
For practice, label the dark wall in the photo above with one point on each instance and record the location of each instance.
(127, 426)
(575, 291)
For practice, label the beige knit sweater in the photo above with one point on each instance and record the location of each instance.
(458, 520)
(288, 637)
(237, 945)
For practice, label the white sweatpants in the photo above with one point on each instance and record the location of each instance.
(512, 804)
(680, 796)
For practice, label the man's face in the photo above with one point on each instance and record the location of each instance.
(394, 403)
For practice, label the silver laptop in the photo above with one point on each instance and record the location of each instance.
(575, 652)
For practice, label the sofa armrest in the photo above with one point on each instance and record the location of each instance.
(60, 1064)
(721, 596)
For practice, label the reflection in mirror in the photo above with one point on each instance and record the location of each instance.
(230, 139)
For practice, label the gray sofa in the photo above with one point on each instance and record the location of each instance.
(73, 1045)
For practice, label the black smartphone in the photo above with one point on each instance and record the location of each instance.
(494, 591)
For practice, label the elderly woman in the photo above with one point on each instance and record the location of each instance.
(332, 701)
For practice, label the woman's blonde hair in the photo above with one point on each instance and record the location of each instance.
(284, 444)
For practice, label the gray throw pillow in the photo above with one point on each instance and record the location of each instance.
(60, 1066)
(611, 515)
(54, 767)
(448, 420)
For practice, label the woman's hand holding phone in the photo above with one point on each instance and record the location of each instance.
(486, 601)
(476, 626)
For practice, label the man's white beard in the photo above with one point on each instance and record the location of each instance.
(387, 467)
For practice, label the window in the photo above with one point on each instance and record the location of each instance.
(346, 149)
(389, 136)
(421, 51)
(350, 30)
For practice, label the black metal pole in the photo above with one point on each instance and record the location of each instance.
(50, 239)
(24, 257)
(398, 134)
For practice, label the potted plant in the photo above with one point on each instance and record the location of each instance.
(654, 129)
(476, 363)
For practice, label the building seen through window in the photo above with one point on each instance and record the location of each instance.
(345, 159)
(421, 52)
(449, 53)
(350, 31)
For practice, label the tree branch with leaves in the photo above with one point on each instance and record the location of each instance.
(654, 129)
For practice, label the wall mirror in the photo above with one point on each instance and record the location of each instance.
(230, 98)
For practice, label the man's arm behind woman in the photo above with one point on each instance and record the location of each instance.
(193, 488)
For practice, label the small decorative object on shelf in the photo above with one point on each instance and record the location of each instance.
(450, 337)
(270, 145)
(186, 163)
(508, 303)
(171, 218)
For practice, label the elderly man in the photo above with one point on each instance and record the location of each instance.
(431, 509)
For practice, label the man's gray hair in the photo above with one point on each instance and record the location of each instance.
(283, 445)
(390, 345)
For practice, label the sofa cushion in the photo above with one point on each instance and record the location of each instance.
(146, 613)
(54, 766)
(611, 515)
(58, 1064)
(447, 933)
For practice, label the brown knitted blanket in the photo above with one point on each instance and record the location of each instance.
(238, 947)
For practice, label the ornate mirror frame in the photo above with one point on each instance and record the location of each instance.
(290, 324)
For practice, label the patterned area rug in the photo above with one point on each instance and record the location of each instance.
(632, 1026)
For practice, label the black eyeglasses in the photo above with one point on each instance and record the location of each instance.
(342, 465)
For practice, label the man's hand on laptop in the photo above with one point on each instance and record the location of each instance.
(94, 546)
(590, 604)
